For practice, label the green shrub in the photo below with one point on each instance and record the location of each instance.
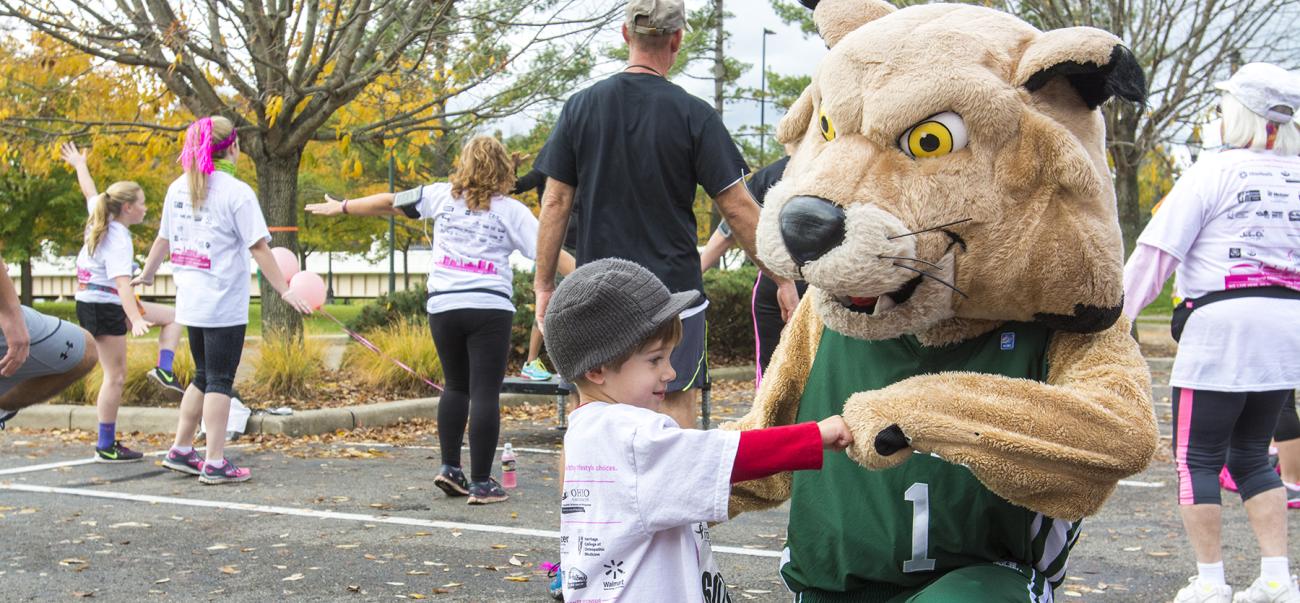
(287, 366)
(731, 323)
(138, 390)
(731, 328)
(405, 340)
(63, 310)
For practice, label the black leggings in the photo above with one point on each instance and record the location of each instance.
(473, 346)
(216, 352)
(767, 318)
(1288, 423)
(1213, 427)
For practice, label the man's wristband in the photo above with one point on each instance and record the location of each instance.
(345, 207)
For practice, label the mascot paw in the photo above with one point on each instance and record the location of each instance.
(890, 440)
(878, 440)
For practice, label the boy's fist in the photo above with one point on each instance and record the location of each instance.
(835, 433)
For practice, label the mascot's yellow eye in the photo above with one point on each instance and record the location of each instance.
(824, 122)
(935, 137)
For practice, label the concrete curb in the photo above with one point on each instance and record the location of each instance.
(305, 422)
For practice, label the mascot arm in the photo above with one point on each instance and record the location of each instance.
(777, 403)
(1057, 447)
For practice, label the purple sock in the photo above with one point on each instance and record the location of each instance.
(165, 358)
(107, 433)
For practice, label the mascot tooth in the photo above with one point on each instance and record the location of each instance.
(949, 204)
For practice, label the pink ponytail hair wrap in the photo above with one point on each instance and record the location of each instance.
(198, 150)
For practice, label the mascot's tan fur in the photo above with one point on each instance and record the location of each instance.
(1016, 224)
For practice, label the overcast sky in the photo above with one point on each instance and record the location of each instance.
(788, 53)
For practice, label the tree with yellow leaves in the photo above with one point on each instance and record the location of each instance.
(395, 73)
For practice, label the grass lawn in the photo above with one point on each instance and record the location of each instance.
(1162, 306)
(316, 325)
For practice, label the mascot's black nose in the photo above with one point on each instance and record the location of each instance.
(810, 227)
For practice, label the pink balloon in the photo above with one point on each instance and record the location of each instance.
(310, 287)
(287, 261)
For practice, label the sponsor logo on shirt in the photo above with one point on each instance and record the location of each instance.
(1237, 215)
(576, 579)
(1293, 216)
(574, 501)
(590, 546)
(1250, 196)
(1263, 213)
(1252, 234)
(1007, 341)
(1277, 215)
(1278, 196)
(614, 572)
(1234, 252)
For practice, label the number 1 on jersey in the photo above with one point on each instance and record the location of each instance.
(919, 495)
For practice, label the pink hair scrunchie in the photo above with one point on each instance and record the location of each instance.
(198, 150)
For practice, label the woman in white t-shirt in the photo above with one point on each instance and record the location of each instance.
(475, 227)
(106, 301)
(211, 222)
(1231, 229)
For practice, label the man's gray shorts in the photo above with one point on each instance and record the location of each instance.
(56, 347)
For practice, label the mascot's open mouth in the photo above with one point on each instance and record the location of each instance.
(876, 306)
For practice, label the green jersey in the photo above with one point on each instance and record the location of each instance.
(862, 535)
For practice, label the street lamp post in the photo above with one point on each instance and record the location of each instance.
(762, 102)
(1194, 143)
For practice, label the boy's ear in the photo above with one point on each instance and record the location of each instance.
(596, 375)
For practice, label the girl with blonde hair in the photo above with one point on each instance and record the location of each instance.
(106, 304)
(476, 228)
(211, 222)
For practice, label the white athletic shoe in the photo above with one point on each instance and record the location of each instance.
(1269, 591)
(1203, 592)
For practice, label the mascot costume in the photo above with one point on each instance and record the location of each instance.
(949, 204)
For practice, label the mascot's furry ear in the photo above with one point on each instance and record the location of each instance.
(835, 18)
(1095, 63)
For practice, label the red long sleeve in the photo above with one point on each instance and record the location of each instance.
(764, 452)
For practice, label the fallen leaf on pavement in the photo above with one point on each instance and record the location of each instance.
(72, 561)
(293, 578)
(517, 578)
(229, 569)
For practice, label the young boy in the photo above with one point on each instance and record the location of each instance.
(638, 490)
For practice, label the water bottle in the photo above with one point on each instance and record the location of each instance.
(508, 479)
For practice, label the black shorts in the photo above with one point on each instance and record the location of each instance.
(102, 319)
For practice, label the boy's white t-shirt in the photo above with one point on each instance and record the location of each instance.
(112, 258)
(209, 249)
(639, 493)
(1233, 221)
(472, 249)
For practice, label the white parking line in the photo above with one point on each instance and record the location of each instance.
(313, 513)
(87, 461)
(1137, 484)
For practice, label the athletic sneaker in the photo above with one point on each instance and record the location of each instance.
(486, 492)
(1204, 592)
(556, 586)
(168, 382)
(1269, 591)
(5, 415)
(227, 473)
(117, 453)
(1225, 480)
(1292, 495)
(189, 462)
(536, 371)
(452, 481)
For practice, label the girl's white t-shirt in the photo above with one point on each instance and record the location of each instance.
(471, 249)
(1233, 221)
(112, 258)
(209, 249)
(639, 493)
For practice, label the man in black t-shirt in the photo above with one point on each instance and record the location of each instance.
(630, 151)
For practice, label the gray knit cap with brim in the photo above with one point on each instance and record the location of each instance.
(603, 310)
